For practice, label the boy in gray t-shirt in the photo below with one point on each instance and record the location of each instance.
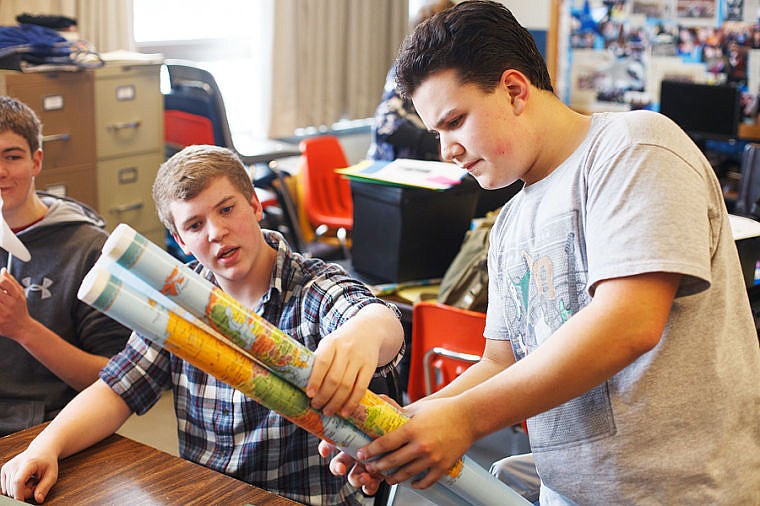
(618, 323)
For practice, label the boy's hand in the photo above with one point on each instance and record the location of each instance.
(343, 368)
(427, 445)
(13, 310)
(29, 475)
(358, 476)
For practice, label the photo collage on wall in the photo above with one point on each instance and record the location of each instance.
(622, 49)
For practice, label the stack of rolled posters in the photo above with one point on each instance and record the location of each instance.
(141, 286)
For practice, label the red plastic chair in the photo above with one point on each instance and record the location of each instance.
(327, 194)
(446, 340)
(183, 129)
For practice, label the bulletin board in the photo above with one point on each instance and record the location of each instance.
(620, 50)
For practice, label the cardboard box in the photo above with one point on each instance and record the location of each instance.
(402, 233)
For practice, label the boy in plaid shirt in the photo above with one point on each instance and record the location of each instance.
(205, 198)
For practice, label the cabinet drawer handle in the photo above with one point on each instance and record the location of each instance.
(124, 125)
(56, 137)
(127, 207)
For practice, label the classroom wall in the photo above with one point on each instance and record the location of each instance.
(532, 14)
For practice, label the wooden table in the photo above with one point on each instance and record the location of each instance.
(119, 470)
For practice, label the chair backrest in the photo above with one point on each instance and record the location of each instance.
(185, 129)
(749, 188)
(446, 340)
(327, 194)
(194, 90)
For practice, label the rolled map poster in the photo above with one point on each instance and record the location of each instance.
(266, 343)
(269, 345)
(105, 292)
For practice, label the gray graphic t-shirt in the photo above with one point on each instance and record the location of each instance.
(628, 202)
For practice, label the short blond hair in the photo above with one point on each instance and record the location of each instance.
(190, 171)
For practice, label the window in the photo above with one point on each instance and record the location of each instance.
(229, 38)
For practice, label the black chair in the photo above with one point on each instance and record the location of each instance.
(193, 90)
(749, 188)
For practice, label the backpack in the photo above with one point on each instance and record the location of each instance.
(465, 283)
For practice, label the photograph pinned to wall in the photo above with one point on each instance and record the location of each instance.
(741, 10)
(652, 9)
(697, 12)
(734, 10)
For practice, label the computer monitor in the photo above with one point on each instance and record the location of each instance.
(704, 111)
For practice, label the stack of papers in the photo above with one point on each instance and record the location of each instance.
(407, 172)
(122, 56)
(743, 227)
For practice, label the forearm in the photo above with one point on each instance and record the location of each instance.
(94, 414)
(592, 346)
(486, 368)
(376, 326)
(624, 320)
(74, 366)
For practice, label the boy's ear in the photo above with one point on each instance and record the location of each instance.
(36, 162)
(181, 244)
(517, 86)
(258, 209)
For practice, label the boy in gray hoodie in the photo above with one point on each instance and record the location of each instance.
(51, 344)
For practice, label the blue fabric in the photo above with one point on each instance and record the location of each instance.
(33, 40)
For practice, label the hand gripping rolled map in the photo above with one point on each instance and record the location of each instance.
(140, 285)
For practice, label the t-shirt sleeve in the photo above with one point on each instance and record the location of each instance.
(646, 212)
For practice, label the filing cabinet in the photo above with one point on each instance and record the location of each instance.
(129, 135)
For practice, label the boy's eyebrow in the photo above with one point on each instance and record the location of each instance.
(223, 201)
(441, 123)
(14, 148)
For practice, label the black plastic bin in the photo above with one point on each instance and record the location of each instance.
(402, 233)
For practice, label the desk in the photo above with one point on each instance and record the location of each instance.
(120, 470)
(749, 132)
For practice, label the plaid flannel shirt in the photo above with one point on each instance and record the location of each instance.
(221, 428)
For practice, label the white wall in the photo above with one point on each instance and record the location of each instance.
(532, 14)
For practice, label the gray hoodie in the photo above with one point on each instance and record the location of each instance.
(64, 245)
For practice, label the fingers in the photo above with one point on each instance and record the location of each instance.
(401, 465)
(18, 482)
(325, 448)
(400, 456)
(349, 388)
(336, 389)
(44, 486)
(3, 480)
(338, 465)
(339, 379)
(359, 477)
(322, 362)
(25, 477)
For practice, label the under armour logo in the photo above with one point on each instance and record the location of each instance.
(33, 287)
